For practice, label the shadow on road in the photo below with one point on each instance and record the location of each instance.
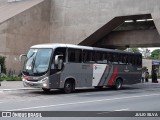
(82, 90)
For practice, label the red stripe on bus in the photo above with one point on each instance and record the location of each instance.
(111, 81)
(102, 75)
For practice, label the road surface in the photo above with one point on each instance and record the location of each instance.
(139, 97)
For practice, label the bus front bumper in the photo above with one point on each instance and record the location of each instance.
(35, 84)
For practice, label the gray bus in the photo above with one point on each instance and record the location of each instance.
(66, 66)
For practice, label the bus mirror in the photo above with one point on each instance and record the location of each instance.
(57, 59)
(21, 56)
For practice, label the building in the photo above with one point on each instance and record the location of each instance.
(101, 23)
(150, 64)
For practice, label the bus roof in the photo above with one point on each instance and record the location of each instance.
(56, 45)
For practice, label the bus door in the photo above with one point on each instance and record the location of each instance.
(87, 67)
(87, 75)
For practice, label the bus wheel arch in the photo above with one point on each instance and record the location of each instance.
(118, 83)
(69, 85)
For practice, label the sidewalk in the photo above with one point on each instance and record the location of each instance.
(150, 81)
(13, 85)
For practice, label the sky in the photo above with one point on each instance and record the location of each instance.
(153, 48)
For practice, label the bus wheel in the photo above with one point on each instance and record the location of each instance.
(46, 90)
(68, 87)
(118, 84)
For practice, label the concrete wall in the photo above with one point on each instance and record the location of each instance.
(132, 38)
(67, 21)
(147, 63)
(72, 21)
(22, 31)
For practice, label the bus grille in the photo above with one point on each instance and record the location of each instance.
(33, 80)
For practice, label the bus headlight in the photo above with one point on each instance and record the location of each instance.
(44, 79)
(25, 78)
(44, 85)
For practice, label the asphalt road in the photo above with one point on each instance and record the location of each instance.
(139, 97)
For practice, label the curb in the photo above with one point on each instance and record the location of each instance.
(15, 89)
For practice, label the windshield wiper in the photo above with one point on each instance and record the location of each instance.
(34, 67)
(31, 63)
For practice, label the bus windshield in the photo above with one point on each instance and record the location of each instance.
(37, 61)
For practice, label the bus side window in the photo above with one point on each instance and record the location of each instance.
(60, 51)
(92, 56)
(84, 56)
(124, 58)
(139, 60)
(133, 59)
(120, 59)
(88, 56)
(99, 57)
(74, 55)
(104, 57)
(129, 59)
(109, 57)
(115, 58)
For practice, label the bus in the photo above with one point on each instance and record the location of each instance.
(67, 67)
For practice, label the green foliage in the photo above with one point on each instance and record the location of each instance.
(144, 68)
(155, 54)
(7, 78)
(133, 50)
(2, 62)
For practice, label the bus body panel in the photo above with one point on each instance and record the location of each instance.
(85, 75)
(81, 73)
(54, 80)
(100, 72)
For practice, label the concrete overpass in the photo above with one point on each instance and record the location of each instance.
(126, 31)
(98, 23)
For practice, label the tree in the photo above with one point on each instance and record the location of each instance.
(145, 52)
(133, 50)
(2, 63)
(155, 54)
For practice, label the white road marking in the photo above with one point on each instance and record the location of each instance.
(83, 102)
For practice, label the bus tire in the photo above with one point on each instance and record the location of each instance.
(46, 90)
(118, 84)
(68, 87)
